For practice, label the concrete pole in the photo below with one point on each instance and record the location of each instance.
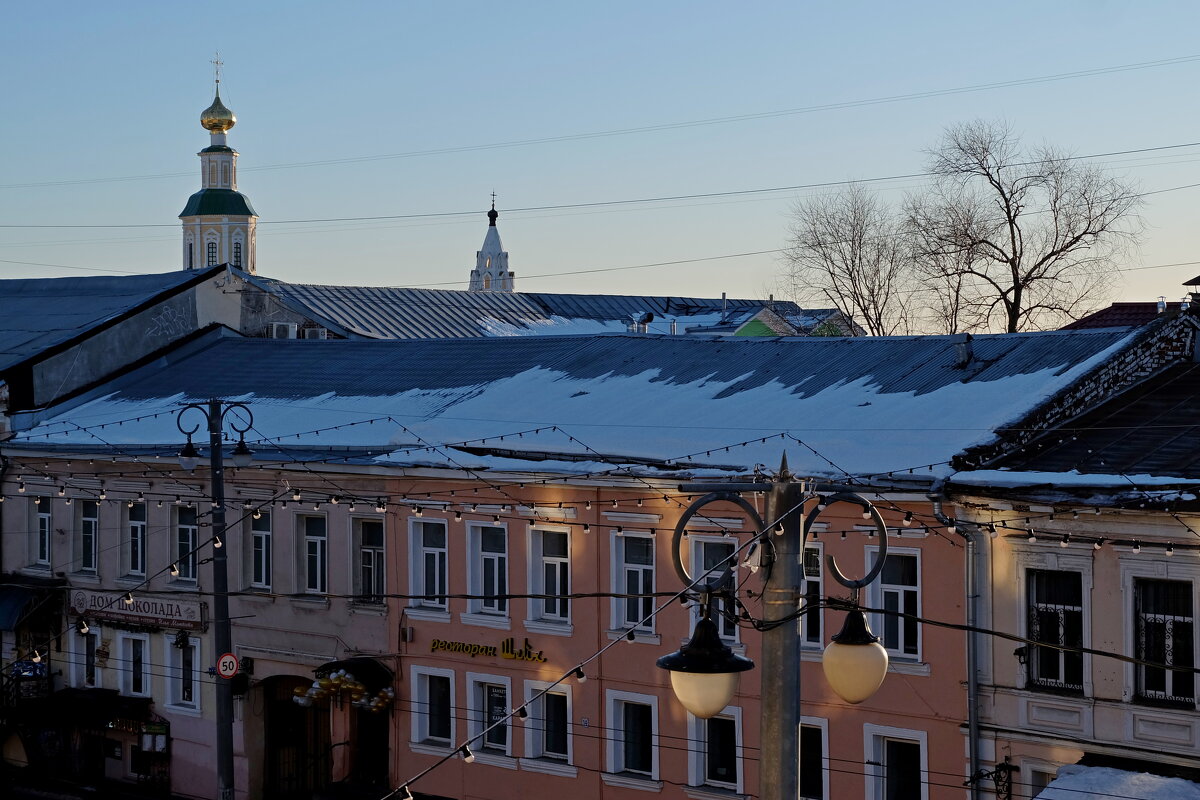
(780, 667)
(221, 625)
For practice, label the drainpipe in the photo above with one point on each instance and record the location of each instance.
(970, 534)
(4, 465)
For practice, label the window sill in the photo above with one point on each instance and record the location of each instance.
(629, 781)
(549, 766)
(427, 614)
(907, 667)
(494, 759)
(85, 577)
(187, 711)
(183, 584)
(370, 609)
(258, 594)
(314, 602)
(706, 792)
(493, 621)
(639, 637)
(551, 628)
(429, 748)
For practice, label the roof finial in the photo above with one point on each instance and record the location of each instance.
(217, 64)
(493, 214)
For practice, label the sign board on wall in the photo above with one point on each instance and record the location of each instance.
(164, 613)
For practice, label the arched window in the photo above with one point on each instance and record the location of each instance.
(212, 174)
(212, 254)
(191, 256)
(237, 254)
(487, 282)
(488, 264)
(224, 174)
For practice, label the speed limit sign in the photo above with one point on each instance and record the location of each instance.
(227, 665)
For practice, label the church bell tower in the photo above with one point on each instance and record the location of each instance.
(491, 273)
(219, 224)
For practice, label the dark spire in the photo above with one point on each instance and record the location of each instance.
(493, 214)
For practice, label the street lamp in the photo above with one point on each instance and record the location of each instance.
(854, 663)
(215, 413)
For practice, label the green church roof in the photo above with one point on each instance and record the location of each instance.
(218, 202)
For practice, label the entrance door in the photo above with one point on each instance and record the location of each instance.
(296, 753)
(370, 764)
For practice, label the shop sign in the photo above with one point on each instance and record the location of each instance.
(507, 649)
(155, 611)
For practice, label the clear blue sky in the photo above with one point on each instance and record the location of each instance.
(114, 92)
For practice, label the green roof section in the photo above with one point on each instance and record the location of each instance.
(218, 148)
(218, 203)
(756, 327)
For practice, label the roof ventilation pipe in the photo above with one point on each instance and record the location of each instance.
(640, 323)
(964, 351)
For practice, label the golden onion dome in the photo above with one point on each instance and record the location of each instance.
(217, 118)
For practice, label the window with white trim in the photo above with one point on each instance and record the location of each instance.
(1165, 633)
(315, 553)
(813, 758)
(548, 728)
(212, 253)
(433, 711)
(427, 542)
(237, 254)
(550, 575)
(183, 671)
(369, 583)
(42, 545)
(634, 567)
(186, 531)
(88, 537)
(135, 539)
(489, 569)
(811, 627)
(134, 655)
(716, 750)
(898, 589)
(85, 660)
(896, 767)
(1054, 615)
(633, 734)
(710, 556)
(487, 710)
(260, 549)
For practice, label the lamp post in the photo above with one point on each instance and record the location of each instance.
(704, 678)
(215, 412)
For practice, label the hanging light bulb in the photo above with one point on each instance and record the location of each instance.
(37, 657)
(907, 519)
(1096, 545)
(705, 672)
(189, 456)
(467, 756)
(1032, 537)
(458, 516)
(380, 506)
(1137, 546)
(418, 511)
(21, 487)
(587, 505)
(1170, 549)
(174, 570)
(62, 490)
(1066, 540)
(217, 543)
(580, 675)
(128, 598)
(81, 626)
(296, 495)
(242, 455)
(333, 501)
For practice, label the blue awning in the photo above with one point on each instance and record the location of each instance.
(14, 602)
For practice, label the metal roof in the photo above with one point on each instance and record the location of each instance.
(865, 404)
(399, 313)
(39, 313)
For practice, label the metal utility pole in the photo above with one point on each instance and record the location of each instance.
(214, 411)
(781, 646)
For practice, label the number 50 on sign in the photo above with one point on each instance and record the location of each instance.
(227, 665)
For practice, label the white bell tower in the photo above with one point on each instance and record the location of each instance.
(491, 273)
(219, 224)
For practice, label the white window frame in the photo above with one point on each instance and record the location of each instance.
(313, 548)
(487, 752)
(79, 657)
(418, 553)
(88, 539)
(535, 750)
(1137, 565)
(494, 612)
(728, 631)
(1029, 557)
(614, 702)
(1032, 657)
(821, 724)
(175, 674)
(621, 609)
(876, 592)
(698, 751)
(183, 543)
(420, 713)
(814, 586)
(126, 661)
(260, 541)
(1169, 693)
(874, 739)
(43, 535)
(133, 551)
(537, 618)
(372, 558)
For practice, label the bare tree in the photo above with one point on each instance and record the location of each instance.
(848, 250)
(1016, 240)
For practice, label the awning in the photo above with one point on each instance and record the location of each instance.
(1104, 783)
(368, 671)
(14, 602)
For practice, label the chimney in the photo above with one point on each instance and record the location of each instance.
(964, 351)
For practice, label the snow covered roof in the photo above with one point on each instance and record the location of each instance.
(397, 313)
(859, 405)
(40, 313)
(1105, 783)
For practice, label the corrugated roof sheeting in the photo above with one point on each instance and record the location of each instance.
(38, 313)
